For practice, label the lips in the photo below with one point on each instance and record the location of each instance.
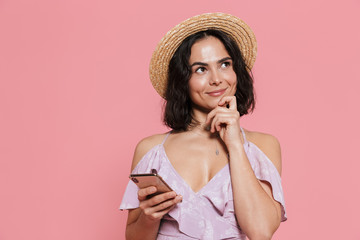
(217, 93)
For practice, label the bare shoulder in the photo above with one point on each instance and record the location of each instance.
(268, 144)
(144, 146)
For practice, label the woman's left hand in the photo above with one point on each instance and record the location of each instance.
(225, 120)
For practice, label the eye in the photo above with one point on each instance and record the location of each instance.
(225, 64)
(200, 70)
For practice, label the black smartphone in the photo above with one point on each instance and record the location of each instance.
(150, 179)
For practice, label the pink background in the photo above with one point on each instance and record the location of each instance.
(75, 98)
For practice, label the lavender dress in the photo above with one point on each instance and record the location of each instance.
(208, 213)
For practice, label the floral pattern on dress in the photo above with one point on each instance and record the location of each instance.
(209, 213)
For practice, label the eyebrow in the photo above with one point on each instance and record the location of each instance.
(205, 64)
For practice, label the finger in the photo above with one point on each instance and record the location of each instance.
(219, 123)
(225, 100)
(148, 204)
(212, 114)
(160, 214)
(158, 211)
(228, 101)
(216, 124)
(155, 200)
(213, 124)
(167, 204)
(144, 192)
(216, 121)
(221, 120)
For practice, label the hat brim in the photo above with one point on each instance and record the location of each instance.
(237, 29)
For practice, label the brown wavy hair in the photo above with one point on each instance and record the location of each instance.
(178, 113)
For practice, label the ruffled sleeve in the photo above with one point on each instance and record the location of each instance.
(149, 161)
(265, 170)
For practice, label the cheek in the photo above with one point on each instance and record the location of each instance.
(196, 84)
(232, 81)
(231, 78)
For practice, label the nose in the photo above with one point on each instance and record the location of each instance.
(215, 78)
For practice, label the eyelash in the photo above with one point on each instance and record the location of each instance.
(200, 68)
(227, 64)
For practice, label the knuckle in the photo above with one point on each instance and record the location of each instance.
(140, 193)
(147, 211)
(142, 206)
(155, 216)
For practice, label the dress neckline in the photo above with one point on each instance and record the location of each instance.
(203, 188)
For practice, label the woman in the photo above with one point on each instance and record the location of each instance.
(226, 180)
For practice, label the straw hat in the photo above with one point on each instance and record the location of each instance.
(237, 29)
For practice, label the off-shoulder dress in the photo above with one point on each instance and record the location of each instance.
(208, 213)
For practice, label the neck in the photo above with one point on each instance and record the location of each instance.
(202, 130)
(199, 117)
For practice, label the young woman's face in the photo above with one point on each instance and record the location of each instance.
(212, 74)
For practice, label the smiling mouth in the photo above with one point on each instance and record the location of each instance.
(217, 92)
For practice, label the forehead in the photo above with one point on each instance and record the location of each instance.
(208, 49)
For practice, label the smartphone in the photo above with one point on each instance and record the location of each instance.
(150, 179)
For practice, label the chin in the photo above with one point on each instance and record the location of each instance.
(207, 104)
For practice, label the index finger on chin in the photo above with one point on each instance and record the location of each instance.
(229, 102)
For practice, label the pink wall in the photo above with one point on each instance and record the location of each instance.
(75, 98)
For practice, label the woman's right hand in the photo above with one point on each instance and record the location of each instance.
(156, 207)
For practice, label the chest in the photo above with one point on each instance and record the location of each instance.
(197, 163)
